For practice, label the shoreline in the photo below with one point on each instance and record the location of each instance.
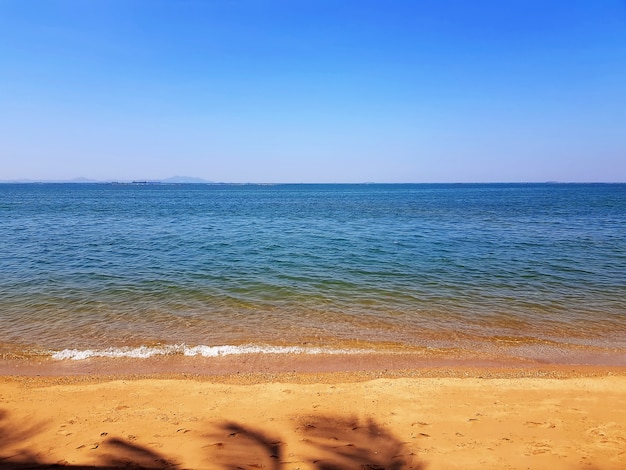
(378, 364)
(485, 373)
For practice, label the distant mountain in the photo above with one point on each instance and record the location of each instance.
(74, 180)
(173, 179)
(184, 179)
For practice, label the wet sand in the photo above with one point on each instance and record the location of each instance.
(323, 414)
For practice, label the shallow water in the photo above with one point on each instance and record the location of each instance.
(538, 270)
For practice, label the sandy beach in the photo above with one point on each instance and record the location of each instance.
(559, 417)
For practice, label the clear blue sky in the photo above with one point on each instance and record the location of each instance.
(314, 90)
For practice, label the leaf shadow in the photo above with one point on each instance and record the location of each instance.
(347, 442)
(17, 451)
(239, 446)
(124, 454)
(12, 437)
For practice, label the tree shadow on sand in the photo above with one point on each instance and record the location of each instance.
(11, 436)
(322, 443)
(317, 442)
(329, 443)
(116, 453)
(241, 447)
(340, 443)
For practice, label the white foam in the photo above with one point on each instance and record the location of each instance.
(141, 352)
(213, 351)
(144, 352)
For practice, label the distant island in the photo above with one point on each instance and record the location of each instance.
(170, 180)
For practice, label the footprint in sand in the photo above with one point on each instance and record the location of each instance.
(536, 448)
(609, 434)
(535, 424)
(64, 431)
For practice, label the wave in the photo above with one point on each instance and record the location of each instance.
(144, 352)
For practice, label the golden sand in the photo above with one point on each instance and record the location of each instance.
(438, 418)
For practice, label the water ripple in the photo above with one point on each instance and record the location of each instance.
(99, 266)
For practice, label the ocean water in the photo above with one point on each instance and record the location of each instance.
(530, 270)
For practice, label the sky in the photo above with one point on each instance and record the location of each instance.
(314, 91)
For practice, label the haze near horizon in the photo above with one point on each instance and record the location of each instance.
(325, 91)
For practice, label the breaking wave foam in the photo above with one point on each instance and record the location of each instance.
(144, 352)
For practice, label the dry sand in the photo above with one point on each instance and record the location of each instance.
(434, 419)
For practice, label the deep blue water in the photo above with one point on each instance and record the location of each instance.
(92, 266)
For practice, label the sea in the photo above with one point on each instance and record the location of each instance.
(535, 272)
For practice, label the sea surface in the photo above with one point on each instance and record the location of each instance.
(536, 271)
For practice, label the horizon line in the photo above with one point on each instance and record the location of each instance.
(165, 181)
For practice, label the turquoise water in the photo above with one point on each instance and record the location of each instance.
(110, 269)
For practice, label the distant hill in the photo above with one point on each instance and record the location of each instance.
(173, 179)
(74, 180)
